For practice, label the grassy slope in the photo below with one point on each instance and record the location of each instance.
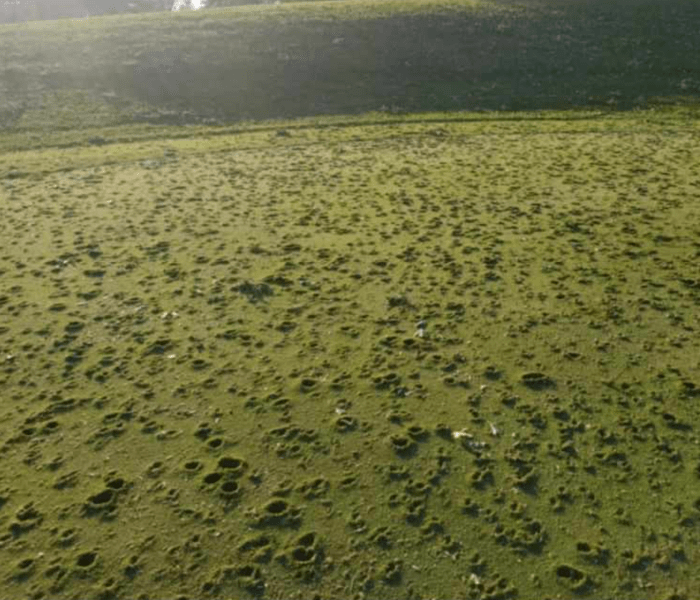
(305, 59)
(562, 243)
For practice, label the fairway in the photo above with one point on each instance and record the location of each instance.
(443, 356)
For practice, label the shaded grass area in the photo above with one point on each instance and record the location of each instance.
(427, 357)
(292, 60)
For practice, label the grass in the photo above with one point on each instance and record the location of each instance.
(309, 299)
(308, 59)
(357, 354)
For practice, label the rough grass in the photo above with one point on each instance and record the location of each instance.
(395, 354)
(461, 353)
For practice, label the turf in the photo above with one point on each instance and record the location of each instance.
(391, 354)
(461, 353)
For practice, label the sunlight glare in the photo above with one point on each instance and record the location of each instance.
(191, 4)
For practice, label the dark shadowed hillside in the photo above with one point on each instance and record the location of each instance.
(304, 59)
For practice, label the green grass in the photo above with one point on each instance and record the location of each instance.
(306, 59)
(60, 150)
(175, 286)
(342, 335)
